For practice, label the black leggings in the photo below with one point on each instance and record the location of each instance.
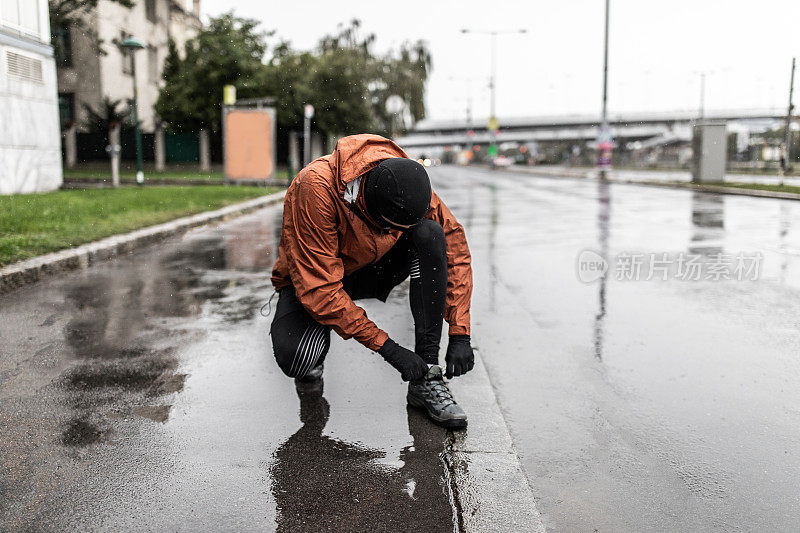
(300, 343)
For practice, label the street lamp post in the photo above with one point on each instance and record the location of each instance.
(308, 114)
(493, 125)
(605, 144)
(787, 134)
(132, 45)
(703, 74)
(493, 78)
(702, 95)
(468, 108)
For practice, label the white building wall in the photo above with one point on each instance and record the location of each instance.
(30, 142)
(112, 20)
(184, 24)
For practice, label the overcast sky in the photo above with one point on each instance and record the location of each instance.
(657, 49)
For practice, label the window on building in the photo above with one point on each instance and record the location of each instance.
(150, 10)
(20, 15)
(62, 45)
(152, 64)
(66, 109)
(9, 13)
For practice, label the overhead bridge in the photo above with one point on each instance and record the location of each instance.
(625, 127)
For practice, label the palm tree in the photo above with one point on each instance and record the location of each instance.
(106, 118)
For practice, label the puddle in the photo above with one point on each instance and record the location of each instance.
(137, 374)
(121, 319)
(156, 413)
(321, 483)
(80, 432)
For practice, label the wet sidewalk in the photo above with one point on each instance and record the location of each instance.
(142, 394)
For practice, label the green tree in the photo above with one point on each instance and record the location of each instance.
(229, 50)
(108, 115)
(340, 84)
(345, 81)
(333, 78)
(403, 75)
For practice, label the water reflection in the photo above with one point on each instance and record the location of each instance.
(784, 225)
(122, 329)
(105, 316)
(603, 228)
(493, 220)
(324, 484)
(470, 217)
(708, 223)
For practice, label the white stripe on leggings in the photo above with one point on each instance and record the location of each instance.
(297, 351)
(316, 344)
(303, 352)
(415, 268)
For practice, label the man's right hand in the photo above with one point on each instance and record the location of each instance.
(409, 364)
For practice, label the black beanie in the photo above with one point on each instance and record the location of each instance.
(397, 190)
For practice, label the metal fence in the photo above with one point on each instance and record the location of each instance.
(179, 147)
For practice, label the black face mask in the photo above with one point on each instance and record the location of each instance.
(397, 193)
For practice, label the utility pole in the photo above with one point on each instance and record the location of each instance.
(468, 98)
(139, 163)
(604, 145)
(132, 46)
(492, 78)
(605, 69)
(308, 113)
(493, 126)
(702, 95)
(114, 150)
(787, 142)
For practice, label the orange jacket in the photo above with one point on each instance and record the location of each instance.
(322, 241)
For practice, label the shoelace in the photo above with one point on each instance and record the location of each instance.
(441, 392)
(268, 305)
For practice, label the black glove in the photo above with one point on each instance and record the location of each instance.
(459, 358)
(409, 364)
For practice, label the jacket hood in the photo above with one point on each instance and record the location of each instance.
(357, 154)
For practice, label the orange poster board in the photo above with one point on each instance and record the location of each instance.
(249, 143)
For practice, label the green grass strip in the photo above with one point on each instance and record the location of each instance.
(758, 186)
(34, 224)
(94, 173)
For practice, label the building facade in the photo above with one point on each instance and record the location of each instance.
(183, 23)
(30, 147)
(86, 77)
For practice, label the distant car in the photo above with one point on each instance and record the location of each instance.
(502, 161)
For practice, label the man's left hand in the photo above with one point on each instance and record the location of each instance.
(459, 358)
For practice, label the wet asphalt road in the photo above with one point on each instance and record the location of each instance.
(638, 405)
(142, 394)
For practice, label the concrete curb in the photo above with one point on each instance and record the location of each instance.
(78, 183)
(489, 490)
(716, 189)
(81, 257)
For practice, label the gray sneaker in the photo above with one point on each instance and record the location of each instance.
(432, 395)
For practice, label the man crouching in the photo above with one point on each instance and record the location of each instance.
(356, 223)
